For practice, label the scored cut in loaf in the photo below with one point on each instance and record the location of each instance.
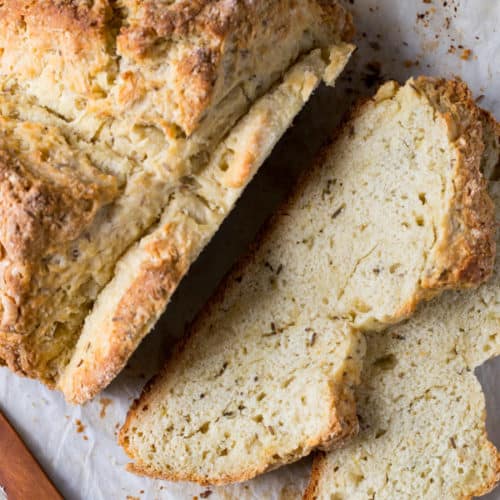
(421, 408)
(129, 130)
(395, 211)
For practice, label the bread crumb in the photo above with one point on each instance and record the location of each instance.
(80, 428)
(466, 53)
(105, 402)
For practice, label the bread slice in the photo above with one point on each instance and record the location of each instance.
(421, 408)
(395, 211)
(131, 128)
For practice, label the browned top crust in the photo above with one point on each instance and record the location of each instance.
(43, 207)
(106, 108)
(184, 57)
(50, 194)
(151, 23)
(40, 213)
(79, 29)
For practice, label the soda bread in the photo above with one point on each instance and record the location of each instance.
(421, 408)
(129, 129)
(395, 212)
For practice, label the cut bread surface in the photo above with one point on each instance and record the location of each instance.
(395, 211)
(132, 128)
(422, 410)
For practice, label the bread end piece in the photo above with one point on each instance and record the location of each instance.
(465, 252)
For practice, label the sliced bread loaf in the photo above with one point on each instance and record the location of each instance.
(421, 408)
(130, 130)
(395, 211)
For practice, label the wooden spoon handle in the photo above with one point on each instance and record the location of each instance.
(20, 475)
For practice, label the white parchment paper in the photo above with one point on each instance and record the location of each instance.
(396, 39)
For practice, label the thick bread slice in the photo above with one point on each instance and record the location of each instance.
(396, 211)
(421, 408)
(150, 112)
(149, 272)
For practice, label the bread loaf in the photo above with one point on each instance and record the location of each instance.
(395, 212)
(130, 129)
(421, 408)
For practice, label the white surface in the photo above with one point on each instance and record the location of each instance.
(88, 464)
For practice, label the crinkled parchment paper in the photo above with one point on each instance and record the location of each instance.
(396, 39)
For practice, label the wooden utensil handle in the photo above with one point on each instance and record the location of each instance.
(20, 475)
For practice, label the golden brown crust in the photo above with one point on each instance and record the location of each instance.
(155, 23)
(208, 47)
(203, 69)
(44, 207)
(77, 17)
(156, 27)
(310, 492)
(145, 299)
(43, 212)
(465, 253)
(70, 35)
(221, 480)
